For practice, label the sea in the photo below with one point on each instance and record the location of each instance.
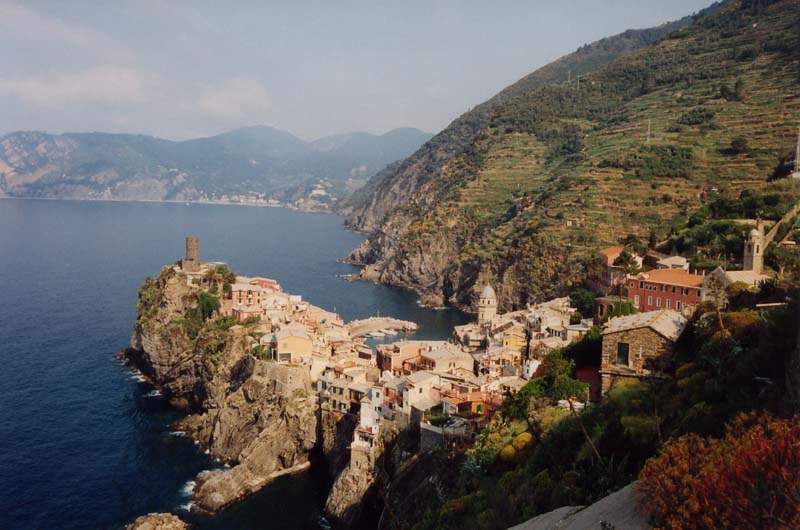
(84, 442)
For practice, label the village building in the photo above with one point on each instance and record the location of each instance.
(638, 345)
(614, 275)
(499, 361)
(391, 357)
(446, 360)
(421, 392)
(717, 282)
(470, 336)
(674, 289)
(265, 283)
(606, 307)
(290, 345)
(673, 262)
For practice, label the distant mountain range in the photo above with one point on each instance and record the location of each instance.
(253, 164)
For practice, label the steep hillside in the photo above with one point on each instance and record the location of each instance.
(248, 164)
(399, 182)
(554, 170)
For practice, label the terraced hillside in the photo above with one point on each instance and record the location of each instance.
(562, 168)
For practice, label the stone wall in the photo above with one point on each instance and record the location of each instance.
(647, 352)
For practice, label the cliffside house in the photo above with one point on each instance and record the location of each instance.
(675, 289)
(638, 345)
(290, 345)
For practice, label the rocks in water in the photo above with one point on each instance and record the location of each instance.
(157, 521)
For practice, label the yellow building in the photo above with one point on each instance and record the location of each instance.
(291, 346)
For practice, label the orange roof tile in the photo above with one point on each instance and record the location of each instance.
(673, 277)
(611, 253)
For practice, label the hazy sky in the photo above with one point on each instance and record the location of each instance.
(180, 69)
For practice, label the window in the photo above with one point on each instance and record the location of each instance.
(669, 303)
(636, 300)
(658, 302)
(673, 289)
(420, 391)
(663, 288)
(622, 353)
(649, 300)
(678, 305)
(641, 285)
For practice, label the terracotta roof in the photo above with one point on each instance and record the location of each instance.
(666, 322)
(611, 253)
(673, 277)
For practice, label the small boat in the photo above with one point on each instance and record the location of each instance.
(390, 332)
(376, 334)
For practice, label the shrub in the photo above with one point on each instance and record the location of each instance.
(748, 479)
(697, 116)
(739, 145)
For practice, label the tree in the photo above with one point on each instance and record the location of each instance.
(207, 304)
(739, 145)
(627, 261)
(652, 240)
(582, 300)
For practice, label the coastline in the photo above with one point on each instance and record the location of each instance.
(174, 201)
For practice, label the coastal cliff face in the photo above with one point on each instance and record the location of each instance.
(258, 417)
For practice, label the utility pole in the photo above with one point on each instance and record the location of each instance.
(797, 154)
(796, 174)
(569, 77)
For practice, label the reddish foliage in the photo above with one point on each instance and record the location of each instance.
(748, 479)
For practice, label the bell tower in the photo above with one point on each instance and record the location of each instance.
(754, 249)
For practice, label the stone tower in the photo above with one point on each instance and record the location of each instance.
(754, 249)
(192, 261)
(487, 304)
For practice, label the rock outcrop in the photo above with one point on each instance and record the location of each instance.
(157, 521)
(258, 417)
(618, 510)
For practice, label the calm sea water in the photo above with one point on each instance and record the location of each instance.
(83, 444)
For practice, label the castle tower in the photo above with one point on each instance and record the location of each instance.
(487, 304)
(192, 261)
(754, 249)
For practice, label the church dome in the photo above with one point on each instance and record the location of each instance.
(488, 293)
(754, 233)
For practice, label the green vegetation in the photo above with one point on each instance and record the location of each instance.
(533, 183)
(577, 458)
(263, 353)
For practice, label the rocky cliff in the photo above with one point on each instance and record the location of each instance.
(256, 416)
